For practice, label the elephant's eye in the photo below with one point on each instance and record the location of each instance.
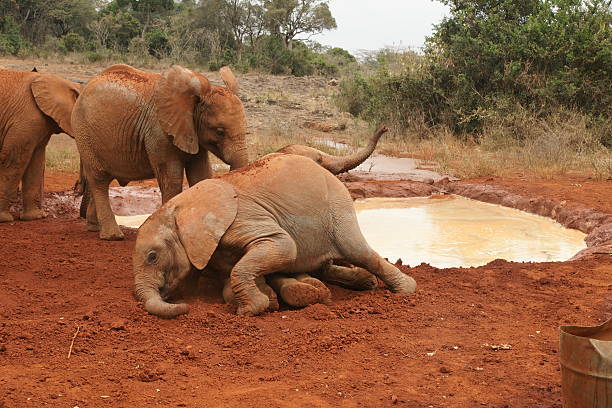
(220, 131)
(152, 257)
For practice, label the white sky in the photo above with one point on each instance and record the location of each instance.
(374, 24)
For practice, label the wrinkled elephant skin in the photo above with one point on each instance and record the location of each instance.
(250, 223)
(33, 106)
(132, 125)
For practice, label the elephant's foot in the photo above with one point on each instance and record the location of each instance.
(405, 284)
(299, 294)
(324, 292)
(31, 215)
(229, 298)
(6, 216)
(111, 234)
(257, 303)
(93, 227)
(354, 278)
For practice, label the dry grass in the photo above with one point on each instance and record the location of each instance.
(62, 154)
(550, 149)
(281, 133)
(562, 145)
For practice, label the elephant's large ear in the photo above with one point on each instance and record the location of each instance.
(56, 98)
(177, 92)
(229, 79)
(203, 214)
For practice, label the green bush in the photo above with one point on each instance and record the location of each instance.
(492, 59)
(93, 56)
(11, 41)
(157, 43)
(73, 42)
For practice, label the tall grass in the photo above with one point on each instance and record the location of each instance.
(562, 144)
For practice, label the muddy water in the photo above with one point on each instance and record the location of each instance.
(456, 231)
(381, 167)
(453, 232)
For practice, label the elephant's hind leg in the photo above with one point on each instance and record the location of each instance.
(91, 214)
(375, 264)
(274, 253)
(357, 252)
(32, 183)
(100, 205)
(354, 278)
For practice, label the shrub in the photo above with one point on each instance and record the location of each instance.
(11, 41)
(157, 43)
(73, 42)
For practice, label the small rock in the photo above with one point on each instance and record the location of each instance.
(444, 370)
(394, 399)
(118, 324)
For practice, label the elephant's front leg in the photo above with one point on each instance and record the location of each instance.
(13, 162)
(229, 298)
(198, 168)
(32, 183)
(267, 255)
(100, 206)
(170, 178)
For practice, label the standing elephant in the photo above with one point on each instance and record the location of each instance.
(283, 213)
(133, 125)
(33, 106)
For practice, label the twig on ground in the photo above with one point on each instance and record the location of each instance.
(72, 343)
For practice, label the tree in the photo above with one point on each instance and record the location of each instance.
(291, 18)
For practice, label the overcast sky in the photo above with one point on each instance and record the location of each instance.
(374, 24)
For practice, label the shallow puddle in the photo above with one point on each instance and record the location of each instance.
(381, 167)
(453, 231)
(457, 231)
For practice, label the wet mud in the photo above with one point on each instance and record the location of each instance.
(65, 292)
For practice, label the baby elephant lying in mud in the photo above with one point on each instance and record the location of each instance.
(282, 213)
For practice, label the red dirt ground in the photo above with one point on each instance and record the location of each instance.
(367, 349)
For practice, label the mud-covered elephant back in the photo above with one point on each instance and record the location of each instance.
(56, 97)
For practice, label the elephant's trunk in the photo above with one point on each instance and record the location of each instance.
(153, 302)
(239, 158)
(343, 164)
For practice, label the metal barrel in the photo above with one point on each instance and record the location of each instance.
(586, 366)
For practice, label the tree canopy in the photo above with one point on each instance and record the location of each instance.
(249, 33)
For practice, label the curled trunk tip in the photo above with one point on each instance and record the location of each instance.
(166, 310)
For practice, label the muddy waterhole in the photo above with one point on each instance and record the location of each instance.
(453, 232)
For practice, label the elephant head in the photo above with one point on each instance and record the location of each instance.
(180, 236)
(56, 97)
(197, 114)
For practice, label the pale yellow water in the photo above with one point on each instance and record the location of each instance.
(456, 231)
(453, 231)
(131, 221)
